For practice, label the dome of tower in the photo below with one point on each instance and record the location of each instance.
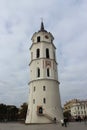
(42, 35)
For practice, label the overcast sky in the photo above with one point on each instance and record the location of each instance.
(67, 21)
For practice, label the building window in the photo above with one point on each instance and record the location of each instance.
(38, 39)
(44, 100)
(48, 72)
(84, 106)
(38, 53)
(34, 88)
(54, 56)
(85, 112)
(33, 101)
(44, 88)
(81, 112)
(38, 72)
(78, 113)
(47, 53)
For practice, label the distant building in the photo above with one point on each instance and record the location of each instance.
(77, 108)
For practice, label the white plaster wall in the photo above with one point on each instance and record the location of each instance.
(52, 106)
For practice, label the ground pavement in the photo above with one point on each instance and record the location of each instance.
(20, 126)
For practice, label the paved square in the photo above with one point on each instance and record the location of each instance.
(19, 126)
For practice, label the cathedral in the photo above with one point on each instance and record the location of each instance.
(44, 105)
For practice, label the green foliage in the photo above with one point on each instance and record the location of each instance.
(23, 111)
(3, 112)
(8, 112)
(12, 113)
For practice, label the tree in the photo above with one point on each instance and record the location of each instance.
(3, 112)
(23, 111)
(12, 113)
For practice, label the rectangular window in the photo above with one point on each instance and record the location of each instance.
(78, 113)
(47, 53)
(85, 112)
(33, 101)
(44, 100)
(54, 56)
(81, 112)
(44, 88)
(84, 106)
(38, 72)
(48, 72)
(38, 53)
(38, 39)
(34, 88)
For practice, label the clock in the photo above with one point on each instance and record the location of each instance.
(46, 36)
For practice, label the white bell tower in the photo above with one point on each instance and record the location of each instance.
(44, 104)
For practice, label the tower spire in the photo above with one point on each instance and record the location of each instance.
(42, 25)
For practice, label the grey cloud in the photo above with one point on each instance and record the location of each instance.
(18, 21)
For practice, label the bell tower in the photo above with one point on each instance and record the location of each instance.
(44, 104)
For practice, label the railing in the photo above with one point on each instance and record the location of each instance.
(51, 116)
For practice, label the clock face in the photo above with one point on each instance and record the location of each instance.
(46, 37)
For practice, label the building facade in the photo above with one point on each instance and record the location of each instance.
(44, 104)
(77, 108)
